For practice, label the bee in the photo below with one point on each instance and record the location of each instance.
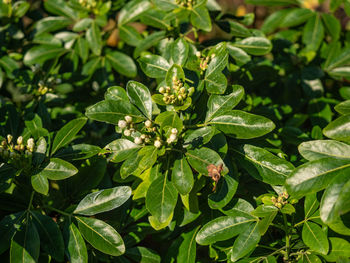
(215, 173)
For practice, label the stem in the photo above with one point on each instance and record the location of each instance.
(58, 211)
(195, 126)
(287, 235)
(306, 219)
(31, 200)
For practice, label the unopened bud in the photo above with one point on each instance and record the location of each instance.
(173, 137)
(162, 90)
(190, 91)
(198, 54)
(148, 124)
(9, 138)
(127, 132)
(122, 124)
(128, 119)
(138, 140)
(174, 130)
(157, 144)
(19, 140)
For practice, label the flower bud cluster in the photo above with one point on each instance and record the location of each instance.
(173, 136)
(281, 200)
(176, 94)
(88, 4)
(127, 125)
(186, 3)
(9, 149)
(204, 61)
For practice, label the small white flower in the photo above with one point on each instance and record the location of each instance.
(148, 124)
(162, 90)
(128, 119)
(157, 143)
(127, 132)
(9, 138)
(19, 140)
(174, 131)
(138, 140)
(30, 144)
(122, 124)
(143, 136)
(198, 54)
(173, 137)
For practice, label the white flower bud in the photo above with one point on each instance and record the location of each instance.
(19, 140)
(138, 140)
(148, 124)
(212, 56)
(174, 131)
(173, 137)
(122, 124)
(30, 144)
(128, 119)
(162, 90)
(127, 132)
(143, 136)
(9, 138)
(157, 143)
(198, 54)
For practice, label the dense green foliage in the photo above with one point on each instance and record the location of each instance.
(173, 131)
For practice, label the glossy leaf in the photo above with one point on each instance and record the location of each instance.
(140, 96)
(182, 176)
(314, 150)
(42, 53)
(122, 149)
(57, 169)
(222, 228)
(313, 33)
(255, 45)
(187, 249)
(40, 183)
(122, 63)
(242, 125)
(200, 18)
(154, 66)
(76, 247)
(103, 200)
(67, 133)
(133, 10)
(179, 51)
(101, 236)
(93, 37)
(315, 238)
(143, 255)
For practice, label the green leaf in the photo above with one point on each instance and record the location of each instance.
(338, 248)
(296, 17)
(242, 125)
(122, 63)
(78, 152)
(116, 93)
(199, 159)
(255, 45)
(82, 24)
(58, 169)
(112, 111)
(154, 66)
(132, 10)
(40, 183)
(161, 199)
(101, 236)
(238, 207)
(338, 129)
(39, 54)
(174, 71)
(200, 18)
(103, 200)
(94, 39)
(122, 149)
(245, 242)
(314, 150)
(343, 107)
(179, 51)
(50, 236)
(219, 104)
(60, 8)
(222, 228)
(311, 204)
(143, 255)
(263, 165)
(76, 249)
(130, 35)
(238, 54)
(50, 24)
(8, 226)
(82, 48)
(315, 238)
(187, 249)
(272, 2)
(225, 191)
(332, 25)
(140, 96)
(25, 245)
(313, 33)
(315, 175)
(182, 176)
(197, 137)
(329, 211)
(67, 133)
(148, 42)
(169, 119)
